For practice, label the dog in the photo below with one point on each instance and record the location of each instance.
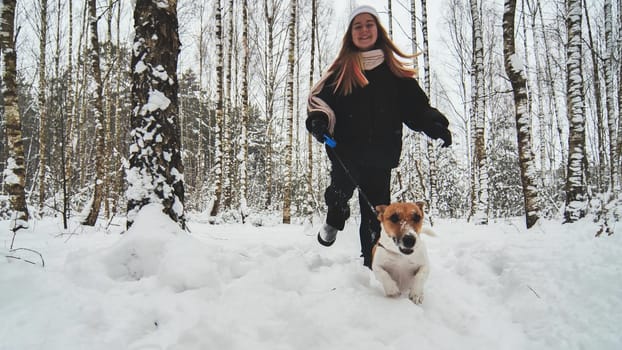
(399, 259)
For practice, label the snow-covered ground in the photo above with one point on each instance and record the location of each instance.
(274, 287)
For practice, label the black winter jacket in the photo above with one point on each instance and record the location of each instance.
(368, 127)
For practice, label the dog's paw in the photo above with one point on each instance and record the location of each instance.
(416, 297)
(391, 291)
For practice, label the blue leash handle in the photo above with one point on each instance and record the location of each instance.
(330, 142)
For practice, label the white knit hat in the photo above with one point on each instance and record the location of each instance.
(363, 9)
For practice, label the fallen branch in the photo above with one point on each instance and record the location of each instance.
(534, 292)
(26, 260)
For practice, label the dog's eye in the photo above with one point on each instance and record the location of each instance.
(394, 218)
(416, 217)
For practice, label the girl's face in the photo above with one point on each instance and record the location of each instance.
(364, 31)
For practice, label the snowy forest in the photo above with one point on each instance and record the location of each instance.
(109, 105)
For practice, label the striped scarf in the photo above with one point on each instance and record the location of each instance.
(370, 59)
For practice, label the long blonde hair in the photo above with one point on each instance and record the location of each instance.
(348, 68)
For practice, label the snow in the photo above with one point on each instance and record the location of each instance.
(235, 286)
(10, 178)
(157, 101)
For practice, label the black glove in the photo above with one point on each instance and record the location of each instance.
(317, 124)
(437, 127)
(445, 135)
(439, 131)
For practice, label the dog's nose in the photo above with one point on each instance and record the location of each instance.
(409, 241)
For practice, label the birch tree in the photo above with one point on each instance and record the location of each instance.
(69, 111)
(15, 172)
(43, 11)
(218, 156)
(289, 145)
(227, 123)
(477, 97)
(617, 161)
(308, 209)
(96, 96)
(514, 70)
(270, 12)
(433, 176)
(601, 130)
(610, 94)
(155, 173)
(245, 113)
(575, 186)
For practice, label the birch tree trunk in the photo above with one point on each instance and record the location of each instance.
(406, 174)
(69, 110)
(308, 210)
(433, 176)
(269, 86)
(42, 101)
(110, 197)
(477, 78)
(119, 117)
(289, 145)
(202, 156)
(413, 31)
(227, 162)
(218, 171)
(156, 170)
(97, 98)
(514, 70)
(15, 172)
(610, 93)
(576, 201)
(245, 114)
(617, 161)
(600, 118)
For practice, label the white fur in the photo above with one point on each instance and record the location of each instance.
(399, 272)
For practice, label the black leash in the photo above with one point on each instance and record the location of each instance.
(331, 143)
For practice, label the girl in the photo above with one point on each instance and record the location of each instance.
(361, 102)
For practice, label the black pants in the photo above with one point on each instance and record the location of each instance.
(375, 183)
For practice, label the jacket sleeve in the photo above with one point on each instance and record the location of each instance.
(417, 113)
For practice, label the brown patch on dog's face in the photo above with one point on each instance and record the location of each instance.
(401, 222)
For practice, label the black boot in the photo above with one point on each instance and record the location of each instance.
(327, 235)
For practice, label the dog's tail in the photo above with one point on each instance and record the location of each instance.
(428, 231)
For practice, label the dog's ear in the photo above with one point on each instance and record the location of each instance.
(380, 210)
(421, 205)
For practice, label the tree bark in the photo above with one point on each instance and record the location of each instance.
(245, 113)
(15, 172)
(289, 155)
(576, 201)
(42, 102)
(227, 147)
(610, 94)
(514, 70)
(308, 211)
(218, 156)
(97, 98)
(156, 170)
(477, 78)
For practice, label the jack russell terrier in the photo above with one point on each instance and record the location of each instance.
(399, 259)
